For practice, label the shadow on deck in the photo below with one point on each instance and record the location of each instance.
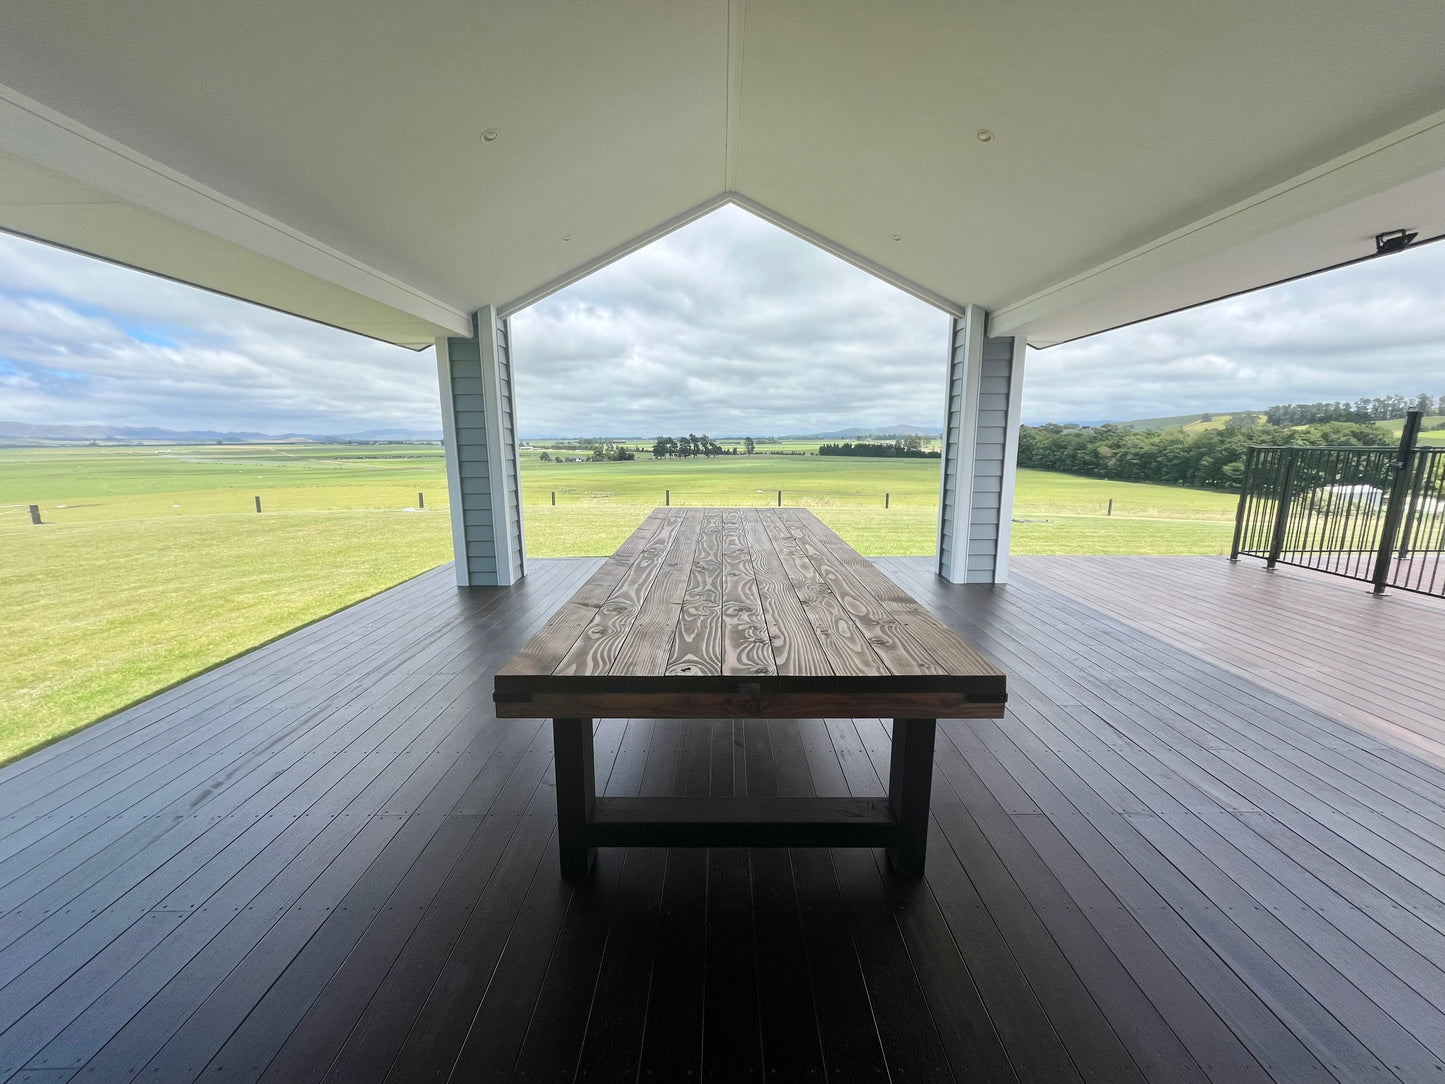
(1205, 844)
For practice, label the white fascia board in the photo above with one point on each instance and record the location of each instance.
(39, 134)
(581, 271)
(877, 270)
(736, 199)
(1402, 156)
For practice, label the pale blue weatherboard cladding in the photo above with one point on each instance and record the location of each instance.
(974, 453)
(486, 462)
(471, 434)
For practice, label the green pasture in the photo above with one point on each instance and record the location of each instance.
(152, 564)
(1432, 429)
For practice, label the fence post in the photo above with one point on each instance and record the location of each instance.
(667, 497)
(780, 498)
(258, 504)
(885, 499)
(1281, 511)
(554, 498)
(35, 513)
(421, 500)
(1110, 510)
(1399, 494)
(1243, 503)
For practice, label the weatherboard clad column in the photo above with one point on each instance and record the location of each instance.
(479, 433)
(980, 452)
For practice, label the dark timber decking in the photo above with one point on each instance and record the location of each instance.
(1177, 858)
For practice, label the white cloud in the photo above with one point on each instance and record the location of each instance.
(729, 326)
(1373, 329)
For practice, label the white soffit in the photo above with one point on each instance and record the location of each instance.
(1145, 155)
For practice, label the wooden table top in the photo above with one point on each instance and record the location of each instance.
(728, 612)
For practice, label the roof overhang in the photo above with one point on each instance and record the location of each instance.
(1145, 156)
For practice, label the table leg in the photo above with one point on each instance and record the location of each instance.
(576, 793)
(910, 783)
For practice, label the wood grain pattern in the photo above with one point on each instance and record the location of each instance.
(696, 642)
(841, 640)
(748, 612)
(795, 649)
(747, 647)
(543, 651)
(645, 649)
(596, 647)
(889, 637)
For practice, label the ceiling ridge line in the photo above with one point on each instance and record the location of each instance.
(734, 94)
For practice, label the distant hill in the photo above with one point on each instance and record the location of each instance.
(875, 431)
(1213, 420)
(23, 434)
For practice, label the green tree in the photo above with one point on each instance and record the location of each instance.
(748, 445)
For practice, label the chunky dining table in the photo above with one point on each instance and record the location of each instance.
(718, 613)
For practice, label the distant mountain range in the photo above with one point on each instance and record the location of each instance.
(874, 431)
(20, 433)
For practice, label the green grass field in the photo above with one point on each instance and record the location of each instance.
(152, 564)
(1432, 431)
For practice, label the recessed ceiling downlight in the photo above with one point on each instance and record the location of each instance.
(984, 135)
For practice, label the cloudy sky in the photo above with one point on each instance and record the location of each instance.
(729, 327)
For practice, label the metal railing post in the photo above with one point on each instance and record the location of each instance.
(1281, 512)
(1412, 513)
(1399, 494)
(1243, 502)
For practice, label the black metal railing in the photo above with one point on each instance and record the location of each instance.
(1372, 514)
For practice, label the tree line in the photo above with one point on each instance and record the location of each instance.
(1382, 409)
(1207, 457)
(909, 447)
(693, 445)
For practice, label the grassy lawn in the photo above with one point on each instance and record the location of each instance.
(100, 614)
(152, 564)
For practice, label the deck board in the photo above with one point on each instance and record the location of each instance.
(1205, 843)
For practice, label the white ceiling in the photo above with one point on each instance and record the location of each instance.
(327, 158)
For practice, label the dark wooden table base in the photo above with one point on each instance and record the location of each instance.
(900, 823)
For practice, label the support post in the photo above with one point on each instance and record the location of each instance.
(479, 431)
(421, 500)
(980, 451)
(910, 785)
(1281, 512)
(35, 513)
(1399, 495)
(576, 793)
